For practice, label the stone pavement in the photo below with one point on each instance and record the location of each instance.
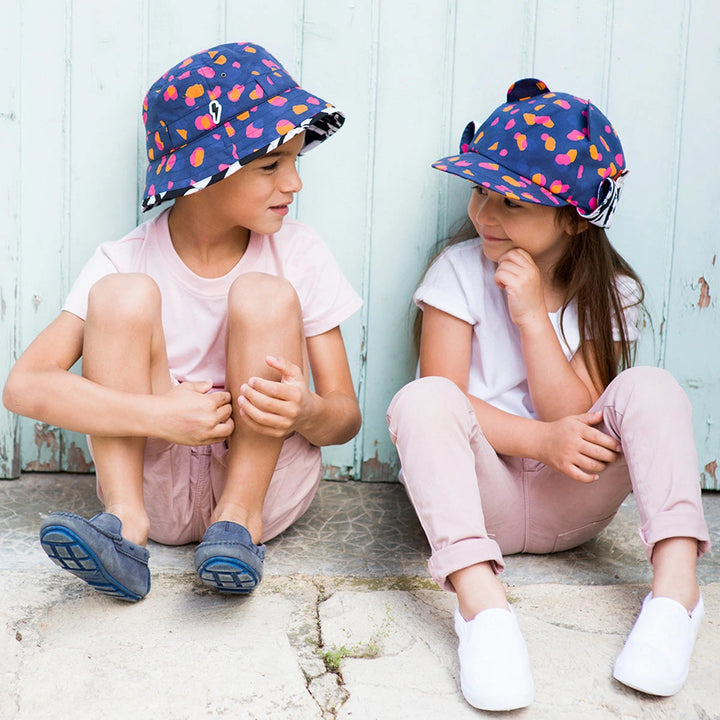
(345, 625)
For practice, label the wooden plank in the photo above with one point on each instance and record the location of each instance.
(44, 278)
(572, 54)
(413, 72)
(409, 83)
(174, 29)
(481, 38)
(693, 343)
(338, 63)
(10, 226)
(106, 88)
(279, 29)
(648, 47)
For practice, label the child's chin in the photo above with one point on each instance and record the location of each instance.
(491, 253)
(268, 227)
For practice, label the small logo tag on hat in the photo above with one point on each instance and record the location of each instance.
(215, 110)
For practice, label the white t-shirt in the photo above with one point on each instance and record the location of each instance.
(461, 282)
(194, 309)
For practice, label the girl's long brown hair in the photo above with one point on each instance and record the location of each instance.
(587, 271)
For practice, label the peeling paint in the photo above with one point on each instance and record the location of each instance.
(704, 300)
(337, 472)
(9, 458)
(48, 445)
(76, 462)
(375, 470)
(711, 469)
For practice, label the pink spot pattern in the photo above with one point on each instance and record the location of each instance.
(217, 110)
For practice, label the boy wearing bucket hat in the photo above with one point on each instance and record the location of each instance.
(198, 333)
(526, 430)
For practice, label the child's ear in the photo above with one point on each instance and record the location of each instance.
(573, 224)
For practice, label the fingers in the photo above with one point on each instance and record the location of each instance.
(518, 256)
(267, 402)
(201, 386)
(286, 368)
(264, 423)
(256, 386)
(220, 432)
(224, 412)
(592, 418)
(601, 453)
(594, 457)
(581, 475)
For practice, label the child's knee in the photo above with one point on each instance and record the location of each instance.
(423, 399)
(124, 296)
(654, 389)
(261, 298)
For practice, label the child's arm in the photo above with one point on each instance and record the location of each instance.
(40, 386)
(558, 387)
(570, 444)
(328, 416)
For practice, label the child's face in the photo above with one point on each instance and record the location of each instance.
(504, 224)
(258, 195)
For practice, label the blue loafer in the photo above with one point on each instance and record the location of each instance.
(228, 560)
(95, 551)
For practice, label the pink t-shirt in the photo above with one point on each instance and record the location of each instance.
(194, 309)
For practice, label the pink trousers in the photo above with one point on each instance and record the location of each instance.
(476, 505)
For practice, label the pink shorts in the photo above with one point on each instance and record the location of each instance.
(182, 484)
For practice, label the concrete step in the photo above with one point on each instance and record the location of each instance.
(346, 624)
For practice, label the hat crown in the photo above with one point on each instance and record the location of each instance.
(205, 90)
(220, 109)
(545, 147)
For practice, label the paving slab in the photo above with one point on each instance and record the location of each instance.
(400, 662)
(346, 624)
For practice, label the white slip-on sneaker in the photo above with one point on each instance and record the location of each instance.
(494, 664)
(656, 656)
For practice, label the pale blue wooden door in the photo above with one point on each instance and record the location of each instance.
(409, 74)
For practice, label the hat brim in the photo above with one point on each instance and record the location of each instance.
(177, 173)
(488, 173)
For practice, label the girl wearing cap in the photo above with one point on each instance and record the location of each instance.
(521, 434)
(198, 332)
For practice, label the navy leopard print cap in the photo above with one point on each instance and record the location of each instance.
(544, 147)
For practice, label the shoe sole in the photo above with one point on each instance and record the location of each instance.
(71, 553)
(643, 687)
(482, 702)
(228, 575)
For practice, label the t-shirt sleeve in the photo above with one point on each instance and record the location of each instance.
(326, 296)
(629, 292)
(444, 286)
(99, 265)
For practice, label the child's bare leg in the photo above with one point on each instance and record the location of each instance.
(477, 589)
(124, 348)
(264, 318)
(494, 664)
(674, 561)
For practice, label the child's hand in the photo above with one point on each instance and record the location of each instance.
(276, 408)
(195, 416)
(573, 447)
(519, 276)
